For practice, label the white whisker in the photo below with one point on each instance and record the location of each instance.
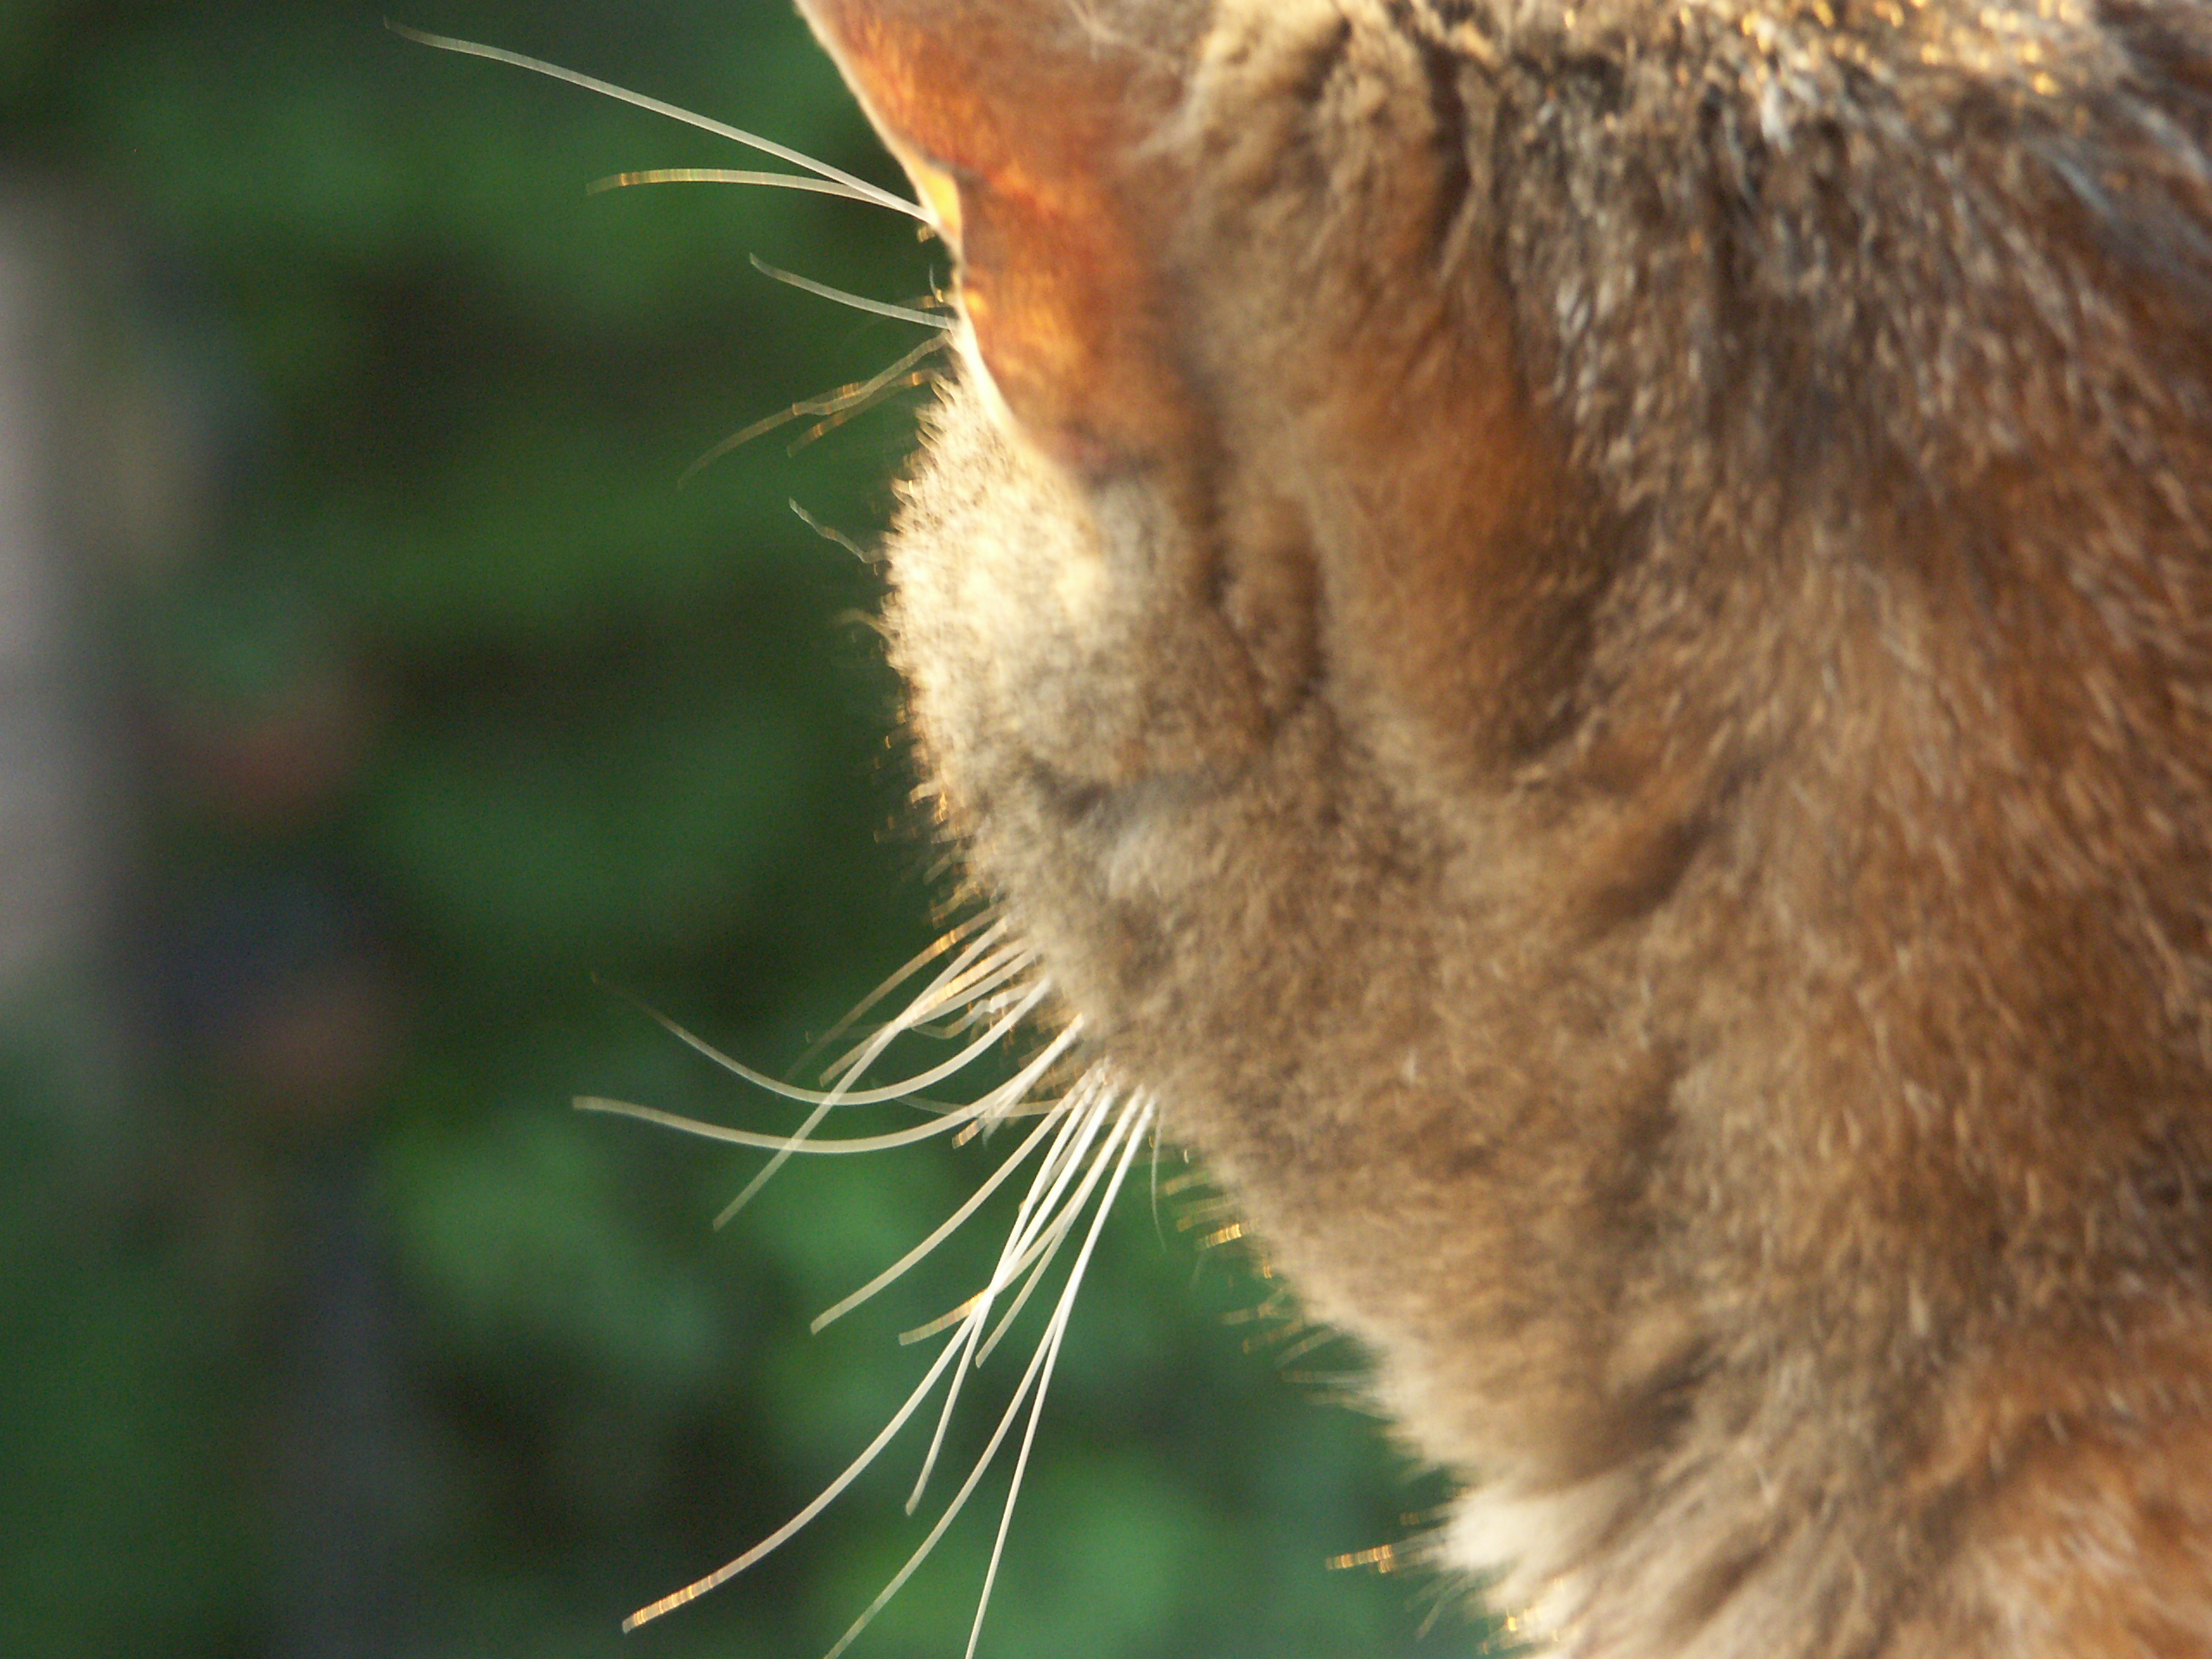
(987, 1107)
(971, 988)
(1077, 1133)
(812, 1147)
(1025, 1244)
(956, 934)
(875, 1096)
(980, 1001)
(943, 1321)
(951, 1512)
(858, 302)
(1138, 1121)
(860, 188)
(725, 175)
(943, 1231)
(1035, 1263)
(827, 1102)
(837, 403)
(988, 945)
(1078, 1158)
(1030, 1390)
(1049, 1240)
(822, 1501)
(841, 1096)
(1086, 1141)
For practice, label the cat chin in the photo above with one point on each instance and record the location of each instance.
(1521, 1548)
(1556, 1567)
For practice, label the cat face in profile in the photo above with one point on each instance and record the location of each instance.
(1582, 636)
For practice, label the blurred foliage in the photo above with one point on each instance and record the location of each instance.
(461, 717)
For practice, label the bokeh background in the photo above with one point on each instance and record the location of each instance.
(385, 719)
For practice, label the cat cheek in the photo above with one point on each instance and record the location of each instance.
(1033, 422)
(1076, 374)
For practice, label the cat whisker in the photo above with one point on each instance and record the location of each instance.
(975, 987)
(819, 178)
(985, 1004)
(946, 1031)
(944, 1230)
(977, 936)
(1049, 1237)
(830, 533)
(860, 189)
(1138, 1124)
(1079, 1128)
(1036, 1381)
(1040, 1370)
(1319, 1336)
(853, 411)
(875, 1096)
(976, 1116)
(943, 1322)
(1077, 1155)
(858, 302)
(859, 1096)
(987, 1109)
(843, 403)
(725, 175)
(1095, 1133)
(953, 987)
(966, 985)
(958, 933)
(845, 1073)
(1034, 1263)
(821, 1501)
(1006, 1114)
(814, 1146)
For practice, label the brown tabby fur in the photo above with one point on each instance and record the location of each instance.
(1584, 632)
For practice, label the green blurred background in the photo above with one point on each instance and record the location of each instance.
(416, 720)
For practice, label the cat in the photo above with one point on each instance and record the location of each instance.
(1581, 636)
(1578, 641)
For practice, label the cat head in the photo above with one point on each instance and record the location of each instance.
(1202, 267)
(1585, 634)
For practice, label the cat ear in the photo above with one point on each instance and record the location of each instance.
(1018, 123)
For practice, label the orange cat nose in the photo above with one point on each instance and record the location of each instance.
(1017, 128)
